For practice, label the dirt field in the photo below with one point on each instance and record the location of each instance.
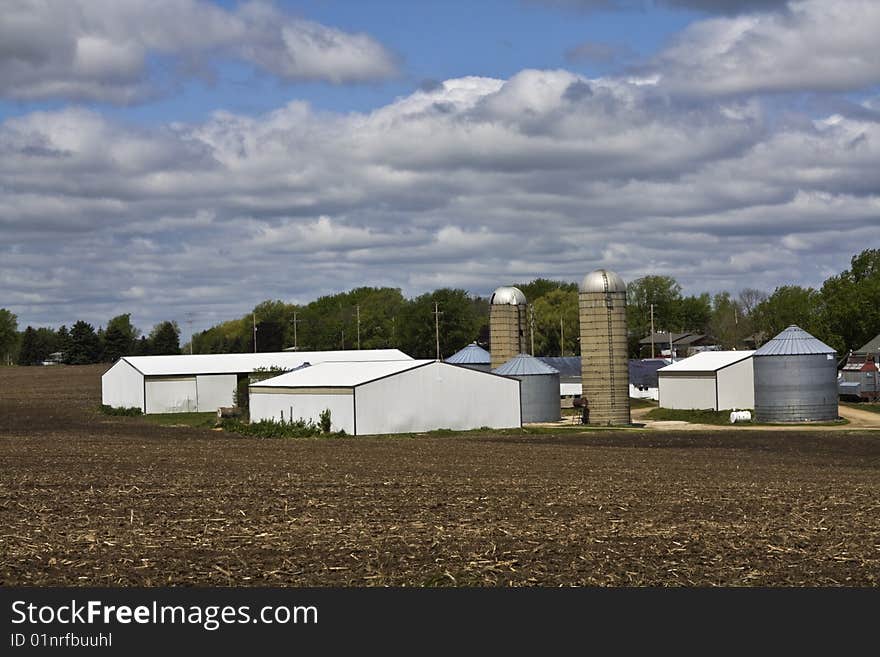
(91, 500)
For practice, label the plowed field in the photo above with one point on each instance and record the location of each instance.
(92, 500)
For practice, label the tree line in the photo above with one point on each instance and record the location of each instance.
(844, 312)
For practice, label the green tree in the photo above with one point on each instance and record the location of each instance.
(694, 313)
(8, 335)
(664, 293)
(120, 338)
(725, 323)
(165, 339)
(30, 352)
(540, 287)
(85, 346)
(789, 304)
(458, 323)
(555, 314)
(850, 303)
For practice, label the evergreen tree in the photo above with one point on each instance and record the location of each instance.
(85, 346)
(119, 338)
(8, 334)
(165, 339)
(29, 352)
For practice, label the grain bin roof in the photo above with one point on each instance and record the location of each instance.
(473, 354)
(706, 361)
(524, 365)
(246, 363)
(794, 341)
(340, 375)
(602, 280)
(507, 296)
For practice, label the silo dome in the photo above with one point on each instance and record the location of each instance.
(508, 296)
(602, 280)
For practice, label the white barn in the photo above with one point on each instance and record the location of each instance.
(716, 380)
(205, 382)
(390, 397)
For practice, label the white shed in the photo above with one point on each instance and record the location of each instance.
(717, 380)
(205, 382)
(390, 397)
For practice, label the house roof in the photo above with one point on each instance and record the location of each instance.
(473, 354)
(340, 375)
(524, 365)
(677, 338)
(247, 363)
(706, 361)
(872, 347)
(794, 341)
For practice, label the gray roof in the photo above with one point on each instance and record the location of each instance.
(872, 347)
(602, 280)
(793, 341)
(524, 365)
(473, 354)
(644, 372)
(565, 365)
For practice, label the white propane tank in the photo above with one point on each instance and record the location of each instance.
(740, 416)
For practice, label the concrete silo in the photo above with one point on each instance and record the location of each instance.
(508, 324)
(539, 387)
(604, 357)
(795, 379)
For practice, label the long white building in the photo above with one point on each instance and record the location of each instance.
(716, 380)
(390, 397)
(205, 382)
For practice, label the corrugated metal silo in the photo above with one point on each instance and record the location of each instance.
(604, 357)
(508, 325)
(539, 390)
(473, 357)
(795, 379)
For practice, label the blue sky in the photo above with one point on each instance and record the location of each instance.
(179, 156)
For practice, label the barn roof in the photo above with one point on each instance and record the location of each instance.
(794, 341)
(871, 347)
(192, 364)
(706, 361)
(340, 375)
(644, 372)
(567, 365)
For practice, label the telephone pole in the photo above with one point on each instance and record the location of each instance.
(437, 314)
(532, 328)
(652, 330)
(255, 331)
(295, 322)
(358, 311)
(561, 337)
(189, 321)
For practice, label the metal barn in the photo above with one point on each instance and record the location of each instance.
(710, 380)
(369, 398)
(205, 382)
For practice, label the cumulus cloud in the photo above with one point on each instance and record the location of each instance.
(470, 182)
(811, 46)
(105, 50)
(708, 6)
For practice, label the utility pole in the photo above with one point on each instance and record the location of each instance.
(652, 330)
(189, 321)
(358, 310)
(295, 322)
(437, 314)
(255, 332)
(561, 337)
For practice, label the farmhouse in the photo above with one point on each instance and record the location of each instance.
(205, 382)
(390, 397)
(717, 380)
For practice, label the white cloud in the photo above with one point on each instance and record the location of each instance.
(100, 49)
(476, 182)
(813, 45)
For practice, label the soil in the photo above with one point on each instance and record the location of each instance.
(91, 500)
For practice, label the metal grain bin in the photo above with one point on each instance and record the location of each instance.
(539, 390)
(473, 356)
(795, 379)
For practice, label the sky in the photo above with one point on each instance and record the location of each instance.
(187, 159)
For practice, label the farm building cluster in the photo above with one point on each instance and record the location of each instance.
(791, 378)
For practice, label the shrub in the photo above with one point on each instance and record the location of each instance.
(324, 420)
(271, 429)
(119, 410)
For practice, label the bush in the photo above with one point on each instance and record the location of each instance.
(270, 429)
(324, 421)
(119, 410)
